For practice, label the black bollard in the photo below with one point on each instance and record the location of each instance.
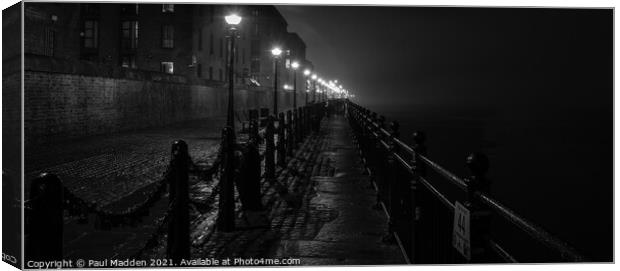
(226, 206)
(178, 247)
(45, 219)
(281, 146)
(270, 148)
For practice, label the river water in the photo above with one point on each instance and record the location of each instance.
(554, 166)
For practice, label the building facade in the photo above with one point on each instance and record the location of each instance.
(186, 40)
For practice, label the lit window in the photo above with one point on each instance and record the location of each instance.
(167, 67)
(91, 34)
(167, 8)
(167, 36)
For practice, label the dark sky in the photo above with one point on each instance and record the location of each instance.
(466, 56)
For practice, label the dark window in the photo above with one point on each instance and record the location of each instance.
(91, 34)
(210, 73)
(199, 71)
(129, 9)
(129, 34)
(167, 36)
(221, 75)
(255, 66)
(211, 13)
(128, 61)
(90, 10)
(211, 43)
(221, 47)
(50, 40)
(200, 39)
(167, 8)
(167, 67)
(255, 48)
(236, 54)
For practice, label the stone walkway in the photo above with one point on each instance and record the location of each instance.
(326, 218)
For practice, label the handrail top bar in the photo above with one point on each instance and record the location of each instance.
(404, 146)
(530, 228)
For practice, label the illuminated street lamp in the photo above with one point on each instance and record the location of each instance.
(295, 66)
(276, 52)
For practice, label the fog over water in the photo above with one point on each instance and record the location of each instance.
(530, 87)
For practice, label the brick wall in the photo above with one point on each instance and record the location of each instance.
(60, 106)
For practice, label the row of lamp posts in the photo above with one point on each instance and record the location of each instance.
(226, 221)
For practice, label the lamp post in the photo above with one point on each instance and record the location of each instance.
(306, 74)
(276, 54)
(233, 21)
(295, 66)
(226, 214)
(314, 78)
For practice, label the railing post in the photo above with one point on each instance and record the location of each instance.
(249, 186)
(281, 147)
(270, 149)
(378, 163)
(290, 138)
(298, 127)
(480, 216)
(415, 205)
(226, 214)
(178, 247)
(45, 219)
(301, 123)
(394, 184)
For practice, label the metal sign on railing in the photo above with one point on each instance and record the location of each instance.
(461, 231)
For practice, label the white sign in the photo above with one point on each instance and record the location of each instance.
(460, 233)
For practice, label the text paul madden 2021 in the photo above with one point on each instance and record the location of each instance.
(193, 262)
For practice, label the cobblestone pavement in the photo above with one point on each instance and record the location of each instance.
(114, 172)
(327, 217)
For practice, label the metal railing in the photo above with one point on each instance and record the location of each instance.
(422, 216)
